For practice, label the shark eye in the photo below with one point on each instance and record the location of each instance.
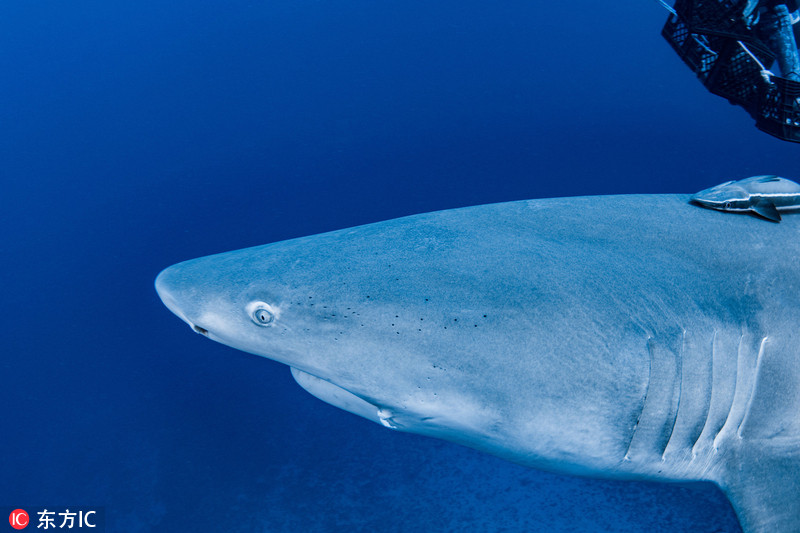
(727, 205)
(263, 316)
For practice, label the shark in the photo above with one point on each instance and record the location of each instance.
(620, 337)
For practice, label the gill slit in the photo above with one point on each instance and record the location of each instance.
(714, 367)
(753, 386)
(627, 457)
(679, 392)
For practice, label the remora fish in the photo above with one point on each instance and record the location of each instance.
(763, 195)
(612, 336)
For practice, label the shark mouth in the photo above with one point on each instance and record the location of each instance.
(343, 399)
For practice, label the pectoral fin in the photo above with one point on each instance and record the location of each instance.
(766, 209)
(763, 488)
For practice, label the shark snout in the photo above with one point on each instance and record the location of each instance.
(174, 297)
(193, 293)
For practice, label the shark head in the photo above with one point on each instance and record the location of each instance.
(270, 301)
(352, 325)
(412, 324)
(723, 196)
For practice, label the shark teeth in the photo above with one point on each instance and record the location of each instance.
(385, 416)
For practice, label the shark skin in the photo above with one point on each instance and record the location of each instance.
(626, 337)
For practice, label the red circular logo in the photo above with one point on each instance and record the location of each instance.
(18, 519)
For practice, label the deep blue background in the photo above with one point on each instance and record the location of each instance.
(134, 135)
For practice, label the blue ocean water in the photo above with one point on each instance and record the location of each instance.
(139, 134)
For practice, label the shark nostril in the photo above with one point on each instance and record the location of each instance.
(201, 331)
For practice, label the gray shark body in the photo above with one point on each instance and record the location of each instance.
(632, 337)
